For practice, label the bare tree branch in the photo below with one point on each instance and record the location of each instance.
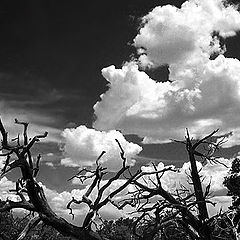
(9, 205)
(27, 184)
(31, 224)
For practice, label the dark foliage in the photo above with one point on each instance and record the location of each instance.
(121, 229)
(11, 226)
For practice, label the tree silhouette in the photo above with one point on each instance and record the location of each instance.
(185, 208)
(232, 182)
(18, 155)
(156, 211)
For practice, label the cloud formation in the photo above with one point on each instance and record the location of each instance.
(177, 36)
(59, 201)
(204, 93)
(214, 173)
(82, 146)
(170, 182)
(6, 185)
(38, 123)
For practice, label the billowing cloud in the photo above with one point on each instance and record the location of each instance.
(210, 172)
(59, 201)
(5, 194)
(204, 93)
(82, 146)
(178, 36)
(6, 185)
(173, 180)
(170, 182)
(38, 123)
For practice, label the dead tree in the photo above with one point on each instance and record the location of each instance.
(186, 206)
(31, 194)
(18, 155)
(180, 206)
(100, 186)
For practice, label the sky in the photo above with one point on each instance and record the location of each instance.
(90, 72)
(51, 57)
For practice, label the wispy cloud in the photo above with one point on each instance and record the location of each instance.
(29, 99)
(35, 100)
(41, 125)
(204, 93)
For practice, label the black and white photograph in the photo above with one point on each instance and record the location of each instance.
(119, 120)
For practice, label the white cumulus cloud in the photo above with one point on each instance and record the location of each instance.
(82, 146)
(59, 201)
(210, 172)
(177, 36)
(170, 182)
(205, 92)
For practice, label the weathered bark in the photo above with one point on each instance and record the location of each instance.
(202, 207)
(197, 184)
(197, 222)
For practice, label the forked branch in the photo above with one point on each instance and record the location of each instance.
(31, 194)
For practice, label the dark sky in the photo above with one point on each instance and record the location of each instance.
(56, 50)
(52, 53)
